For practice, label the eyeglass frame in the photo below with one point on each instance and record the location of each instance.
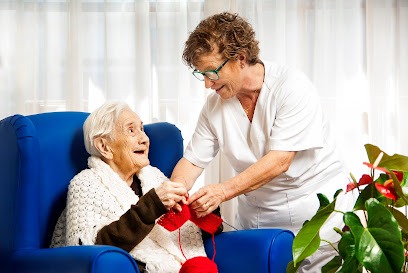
(195, 72)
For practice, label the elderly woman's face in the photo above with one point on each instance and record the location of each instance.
(130, 145)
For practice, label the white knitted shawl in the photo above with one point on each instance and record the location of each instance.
(98, 196)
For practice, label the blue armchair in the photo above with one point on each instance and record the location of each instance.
(39, 156)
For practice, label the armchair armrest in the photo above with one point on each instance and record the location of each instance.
(256, 250)
(75, 259)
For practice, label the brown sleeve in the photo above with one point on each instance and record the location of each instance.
(134, 225)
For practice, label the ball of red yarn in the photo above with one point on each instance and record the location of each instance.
(199, 264)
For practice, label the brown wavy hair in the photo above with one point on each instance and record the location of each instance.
(229, 32)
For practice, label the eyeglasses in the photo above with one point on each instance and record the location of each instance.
(211, 74)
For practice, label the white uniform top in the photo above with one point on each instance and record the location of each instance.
(288, 117)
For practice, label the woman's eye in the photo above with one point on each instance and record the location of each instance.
(130, 130)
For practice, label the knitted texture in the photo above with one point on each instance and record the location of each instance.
(98, 196)
(209, 223)
(173, 220)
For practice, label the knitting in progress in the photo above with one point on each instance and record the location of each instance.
(209, 223)
(98, 196)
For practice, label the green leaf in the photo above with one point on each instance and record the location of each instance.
(351, 265)
(353, 222)
(380, 217)
(291, 268)
(394, 162)
(399, 203)
(333, 265)
(369, 192)
(337, 193)
(346, 245)
(398, 188)
(323, 200)
(364, 195)
(379, 247)
(307, 241)
(404, 183)
(304, 246)
(401, 219)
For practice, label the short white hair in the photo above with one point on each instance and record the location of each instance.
(100, 123)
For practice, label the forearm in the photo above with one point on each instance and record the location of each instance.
(186, 172)
(268, 167)
(133, 226)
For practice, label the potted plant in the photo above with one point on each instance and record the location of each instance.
(375, 234)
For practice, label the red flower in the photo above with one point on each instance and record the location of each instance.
(376, 168)
(387, 189)
(398, 174)
(364, 180)
(351, 186)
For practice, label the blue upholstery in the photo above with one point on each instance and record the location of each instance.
(40, 155)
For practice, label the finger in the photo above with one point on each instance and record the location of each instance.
(184, 200)
(174, 198)
(207, 206)
(177, 208)
(203, 213)
(200, 205)
(192, 200)
(177, 193)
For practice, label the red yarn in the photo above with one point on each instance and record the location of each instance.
(173, 220)
(209, 223)
(199, 264)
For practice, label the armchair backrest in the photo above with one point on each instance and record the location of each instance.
(40, 155)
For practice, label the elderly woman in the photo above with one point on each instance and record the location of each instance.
(118, 199)
(267, 121)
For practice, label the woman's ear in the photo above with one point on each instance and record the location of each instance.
(242, 60)
(102, 145)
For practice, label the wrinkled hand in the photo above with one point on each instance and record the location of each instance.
(171, 193)
(207, 199)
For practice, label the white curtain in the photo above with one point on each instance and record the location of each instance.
(60, 55)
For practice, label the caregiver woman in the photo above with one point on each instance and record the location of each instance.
(266, 119)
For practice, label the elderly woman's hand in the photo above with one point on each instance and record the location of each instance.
(207, 199)
(171, 193)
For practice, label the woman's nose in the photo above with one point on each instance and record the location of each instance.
(143, 138)
(208, 83)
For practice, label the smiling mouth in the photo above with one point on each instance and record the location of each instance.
(216, 90)
(139, 152)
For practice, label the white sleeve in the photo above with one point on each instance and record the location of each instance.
(203, 146)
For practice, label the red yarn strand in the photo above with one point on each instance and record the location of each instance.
(179, 241)
(174, 220)
(215, 249)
